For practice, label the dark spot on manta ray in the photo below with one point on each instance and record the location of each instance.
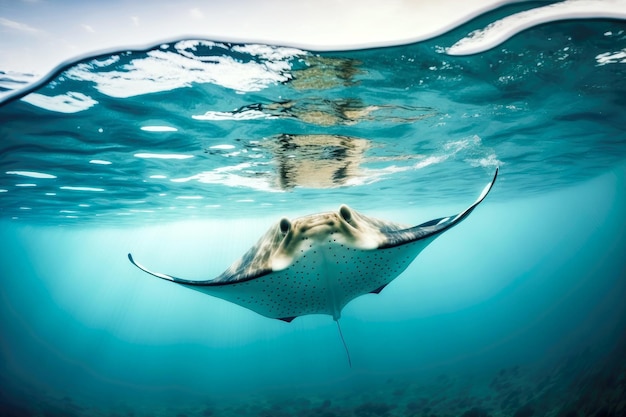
(373, 252)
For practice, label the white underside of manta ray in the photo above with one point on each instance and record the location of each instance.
(318, 263)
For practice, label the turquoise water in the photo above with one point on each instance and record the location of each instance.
(185, 154)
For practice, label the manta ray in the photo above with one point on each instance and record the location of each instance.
(318, 263)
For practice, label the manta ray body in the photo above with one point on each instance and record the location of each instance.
(318, 263)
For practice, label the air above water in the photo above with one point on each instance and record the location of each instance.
(186, 153)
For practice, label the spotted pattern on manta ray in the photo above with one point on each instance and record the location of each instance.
(321, 280)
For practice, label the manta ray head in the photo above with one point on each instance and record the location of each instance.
(345, 228)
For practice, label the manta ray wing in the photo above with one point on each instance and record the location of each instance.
(324, 270)
(433, 227)
(322, 281)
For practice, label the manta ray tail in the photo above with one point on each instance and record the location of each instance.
(345, 346)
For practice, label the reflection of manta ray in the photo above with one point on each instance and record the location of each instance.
(316, 264)
(316, 161)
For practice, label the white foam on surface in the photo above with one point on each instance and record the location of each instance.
(71, 102)
(162, 156)
(240, 115)
(73, 31)
(503, 29)
(614, 57)
(159, 129)
(31, 174)
(72, 188)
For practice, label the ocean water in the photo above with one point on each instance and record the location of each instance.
(186, 153)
